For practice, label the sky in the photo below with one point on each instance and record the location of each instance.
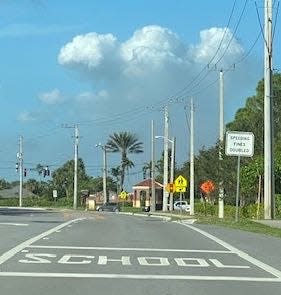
(111, 66)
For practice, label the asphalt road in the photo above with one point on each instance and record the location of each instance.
(46, 252)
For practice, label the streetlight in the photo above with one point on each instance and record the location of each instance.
(104, 148)
(172, 141)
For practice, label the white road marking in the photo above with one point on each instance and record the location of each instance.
(131, 249)
(9, 254)
(244, 255)
(138, 276)
(15, 224)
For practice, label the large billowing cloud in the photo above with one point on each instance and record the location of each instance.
(215, 43)
(150, 64)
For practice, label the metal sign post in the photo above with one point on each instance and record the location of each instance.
(237, 190)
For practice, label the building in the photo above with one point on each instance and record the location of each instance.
(142, 194)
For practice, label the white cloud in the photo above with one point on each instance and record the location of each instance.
(152, 55)
(26, 116)
(52, 97)
(92, 53)
(210, 40)
(88, 97)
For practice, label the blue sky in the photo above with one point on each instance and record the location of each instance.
(111, 66)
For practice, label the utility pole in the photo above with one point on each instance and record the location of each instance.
(104, 174)
(20, 159)
(191, 167)
(221, 138)
(104, 183)
(76, 142)
(173, 142)
(166, 148)
(153, 200)
(268, 116)
(75, 166)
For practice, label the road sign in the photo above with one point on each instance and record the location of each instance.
(55, 193)
(123, 195)
(180, 189)
(180, 181)
(170, 187)
(180, 184)
(239, 144)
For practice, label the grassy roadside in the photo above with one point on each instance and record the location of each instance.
(243, 224)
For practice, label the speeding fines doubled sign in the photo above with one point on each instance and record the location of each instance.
(239, 144)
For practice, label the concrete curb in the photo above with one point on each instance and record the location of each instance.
(166, 218)
(25, 208)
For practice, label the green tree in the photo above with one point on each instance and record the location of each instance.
(124, 143)
(63, 178)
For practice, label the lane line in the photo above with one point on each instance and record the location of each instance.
(242, 254)
(9, 254)
(131, 249)
(15, 224)
(138, 276)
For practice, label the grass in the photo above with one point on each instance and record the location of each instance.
(243, 224)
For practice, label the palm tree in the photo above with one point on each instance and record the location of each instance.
(125, 143)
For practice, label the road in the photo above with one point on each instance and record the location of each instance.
(45, 252)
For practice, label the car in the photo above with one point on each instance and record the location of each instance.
(182, 205)
(109, 207)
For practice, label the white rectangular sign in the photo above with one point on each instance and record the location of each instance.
(239, 144)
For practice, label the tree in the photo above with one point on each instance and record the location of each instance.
(124, 143)
(63, 177)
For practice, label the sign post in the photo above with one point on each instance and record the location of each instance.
(240, 144)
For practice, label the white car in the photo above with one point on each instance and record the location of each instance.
(178, 205)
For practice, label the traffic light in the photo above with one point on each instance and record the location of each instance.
(17, 167)
(24, 172)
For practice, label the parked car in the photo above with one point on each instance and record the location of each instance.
(178, 205)
(109, 207)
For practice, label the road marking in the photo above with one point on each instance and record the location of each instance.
(131, 249)
(15, 224)
(136, 276)
(126, 260)
(244, 255)
(9, 254)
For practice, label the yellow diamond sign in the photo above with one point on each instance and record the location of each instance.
(123, 195)
(180, 184)
(181, 181)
